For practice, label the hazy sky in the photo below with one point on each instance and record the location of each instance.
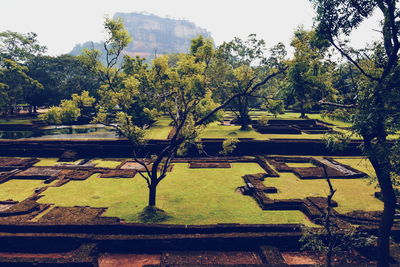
(60, 24)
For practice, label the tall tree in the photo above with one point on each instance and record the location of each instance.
(239, 63)
(16, 50)
(376, 112)
(309, 77)
(15, 80)
(19, 47)
(182, 90)
(61, 76)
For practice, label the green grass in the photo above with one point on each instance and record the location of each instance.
(299, 164)
(101, 163)
(53, 162)
(16, 121)
(214, 130)
(190, 196)
(18, 190)
(359, 163)
(159, 130)
(351, 194)
(295, 115)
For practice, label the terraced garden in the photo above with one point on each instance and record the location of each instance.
(192, 193)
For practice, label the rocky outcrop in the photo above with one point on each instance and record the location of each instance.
(153, 34)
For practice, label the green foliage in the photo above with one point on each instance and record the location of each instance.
(19, 47)
(276, 107)
(69, 110)
(343, 239)
(228, 146)
(14, 84)
(240, 64)
(309, 76)
(263, 120)
(337, 141)
(66, 113)
(61, 76)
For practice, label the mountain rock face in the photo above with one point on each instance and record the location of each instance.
(152, 35)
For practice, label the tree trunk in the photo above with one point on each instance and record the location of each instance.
(302, 111)
(389, 201)
(244, 117)
(379, 157)
(152, 195)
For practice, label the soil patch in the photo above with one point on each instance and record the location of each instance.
(16, 163)
(200, 165)
(76, 174)
(37, 173)
(299, 258)
(128, 260)
(74, 215)
(210, 257)
(118, 173)
(131, 165)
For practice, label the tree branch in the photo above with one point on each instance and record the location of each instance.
(346, 55)
(327, 103)
(248, 91)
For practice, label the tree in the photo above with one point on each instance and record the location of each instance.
(19, 47)
(14, 80)
(375, 111)
(309, 76)
(61, 76)
(69, 110)
(239, 63)
(15, 51)
(182, 90)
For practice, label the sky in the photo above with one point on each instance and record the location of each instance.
(60, 24)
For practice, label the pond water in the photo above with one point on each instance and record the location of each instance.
(54, 132)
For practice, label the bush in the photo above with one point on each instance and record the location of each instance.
(152, 214)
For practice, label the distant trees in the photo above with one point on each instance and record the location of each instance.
(13, 83)
(375, 108)
(29, 77)
(15, 51)
(61, 76)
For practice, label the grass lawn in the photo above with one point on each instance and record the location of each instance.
(190, 196)
(18, 190)
(159, 130)
(215, 130)
(294, 115)
(359, 163)
(351, 194)
(101, 163)
(16, 121)
(53, 162)
(300, 164)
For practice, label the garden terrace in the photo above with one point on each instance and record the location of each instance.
(186, 187)
(311, 168)
(275, 126)
(227, 225)
(121, 148)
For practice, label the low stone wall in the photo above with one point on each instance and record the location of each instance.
(119, 148)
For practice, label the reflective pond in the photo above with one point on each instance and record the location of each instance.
(54, 132)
